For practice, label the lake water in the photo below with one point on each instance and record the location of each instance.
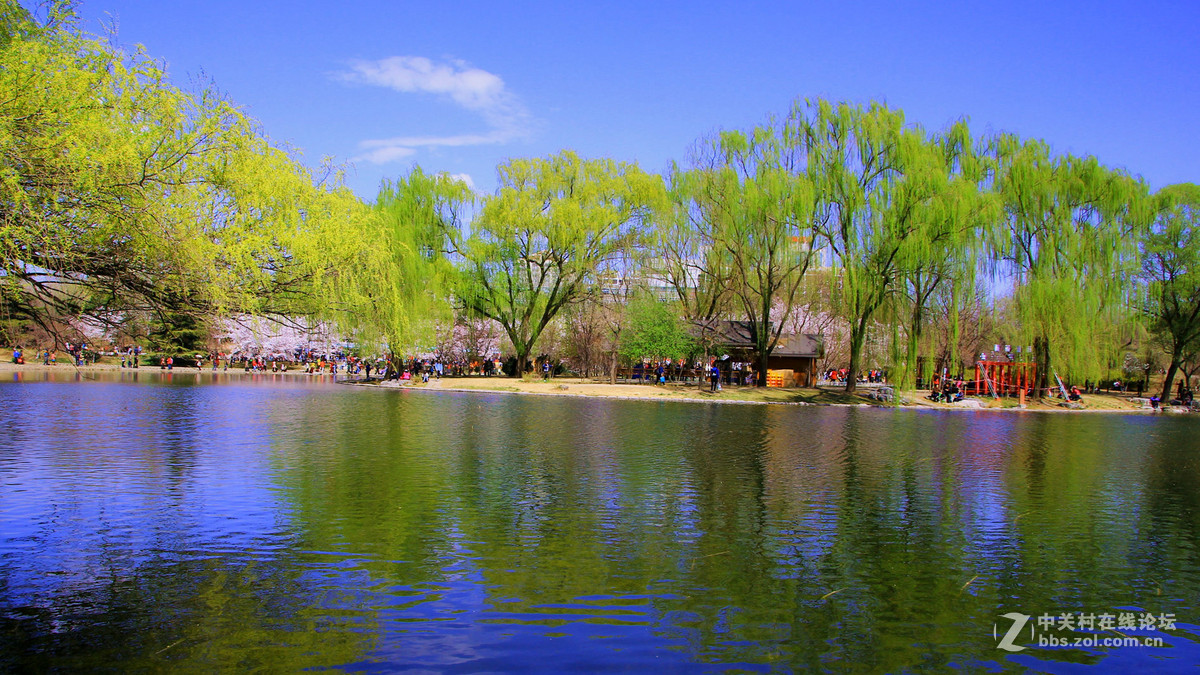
(235, 523)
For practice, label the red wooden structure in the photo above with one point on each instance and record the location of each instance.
(1007, 378)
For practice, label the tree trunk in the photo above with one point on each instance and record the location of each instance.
(914, 339)
(760, 380)
(762, 336)
(762, 339)
(858, 334)
(1171, 370)
(1041, 359)
(612, 371)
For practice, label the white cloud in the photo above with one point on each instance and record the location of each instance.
(464, 177)
(471, 88)
(385, 154)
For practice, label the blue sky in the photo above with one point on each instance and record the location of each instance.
(460, 87)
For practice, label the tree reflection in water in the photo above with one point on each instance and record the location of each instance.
(286, 526)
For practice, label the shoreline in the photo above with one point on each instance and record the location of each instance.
(688, 393)
(570, 387)
(67, 367)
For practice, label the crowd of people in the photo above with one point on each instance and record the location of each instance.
(79, 353)
(131, 356)
(716, 371)
(388, 367)
(840, 375)
(1184, 397)
(948, 389)
(660, 372)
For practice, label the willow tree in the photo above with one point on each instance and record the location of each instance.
(944, 271)
(536, 244)
(1171, 272)
(391, 283)
(758, 209)
(893, 200)
(122, 194)
(1066, 239)
(685, 258)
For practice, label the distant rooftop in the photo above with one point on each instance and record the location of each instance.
(737, 335)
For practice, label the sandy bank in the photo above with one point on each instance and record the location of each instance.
(692, 393)
(1099, 403)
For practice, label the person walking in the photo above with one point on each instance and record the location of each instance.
(714, 377)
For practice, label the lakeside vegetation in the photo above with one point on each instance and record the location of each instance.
(148, 213)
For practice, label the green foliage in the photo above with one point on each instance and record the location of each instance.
(180, 334)
(895, 205)
(685, 257)
(940, 271)
(120, 192)
(754, 212)
(1066, 240)
(392, 284)
(1171, 273)
(540, 242)
(654, 330)
(122, 195)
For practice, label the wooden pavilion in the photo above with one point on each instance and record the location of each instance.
(1003, 378)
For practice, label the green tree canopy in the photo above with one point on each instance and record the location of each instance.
(654, 330)
(684, 256)
(941, 266)
(1171, 272)
(391, 284)
(755, 209)
(893, 202)
(1066, 240)
(120, 192)
(537, 244)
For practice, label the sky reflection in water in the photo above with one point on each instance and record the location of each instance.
(283, 524)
